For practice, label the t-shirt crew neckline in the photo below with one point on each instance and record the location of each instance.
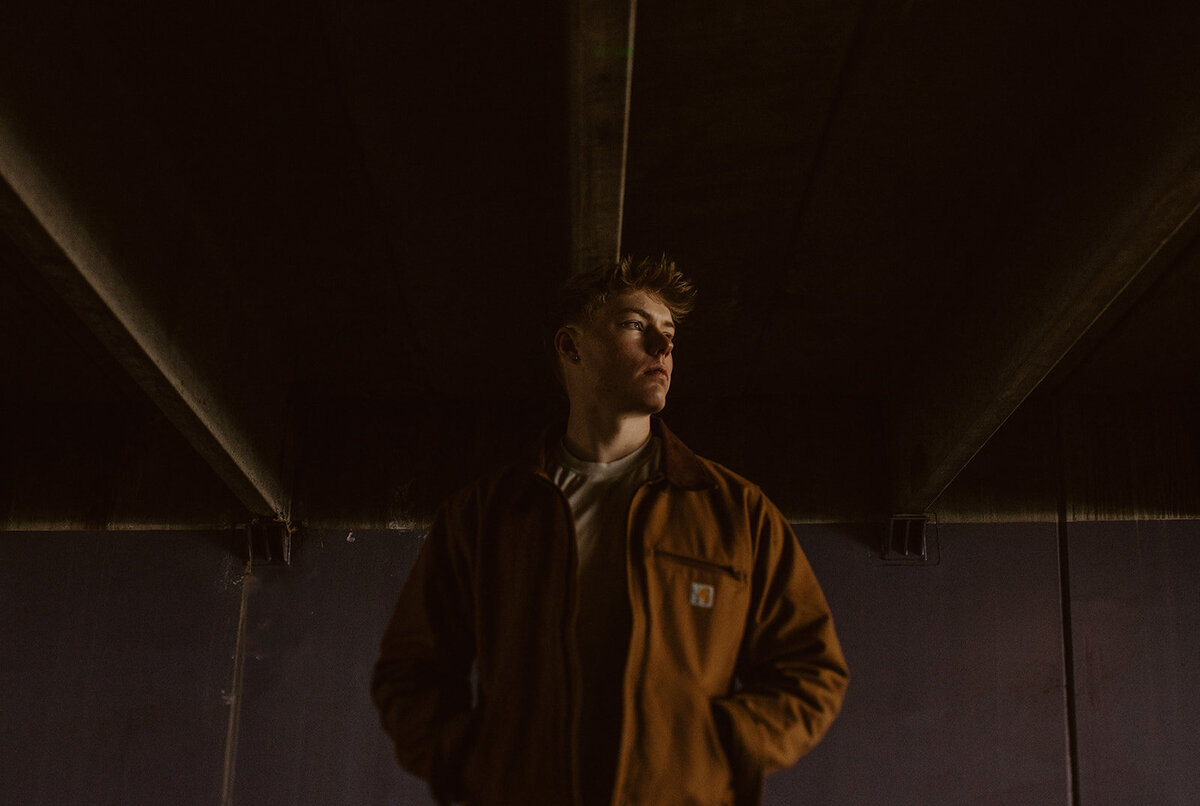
(604, 470)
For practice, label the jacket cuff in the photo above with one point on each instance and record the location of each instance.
(447, 781)
(742, 739)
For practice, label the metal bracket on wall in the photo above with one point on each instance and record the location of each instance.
(909, 540)
(269, 542)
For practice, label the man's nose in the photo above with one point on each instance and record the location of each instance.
(662, 345)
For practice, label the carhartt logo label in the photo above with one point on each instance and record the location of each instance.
(702, 595)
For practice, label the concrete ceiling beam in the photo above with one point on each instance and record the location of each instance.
(601, 52)
(950, 414)
(41, 216)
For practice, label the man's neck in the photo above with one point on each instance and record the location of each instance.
(595, 440)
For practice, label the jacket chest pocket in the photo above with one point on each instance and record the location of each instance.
(697, 609)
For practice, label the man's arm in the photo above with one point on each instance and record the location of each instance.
(421, 684)
(791, 670)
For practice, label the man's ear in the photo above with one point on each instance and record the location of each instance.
(566, 344)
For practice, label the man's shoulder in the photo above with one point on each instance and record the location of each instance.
(725, 475)
(746, 514)
(499, 482)
(730, 487)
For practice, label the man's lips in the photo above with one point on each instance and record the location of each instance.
(658, 371)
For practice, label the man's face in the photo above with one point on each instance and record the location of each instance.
(625, 360)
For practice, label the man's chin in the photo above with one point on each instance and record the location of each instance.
(643, 405)
(656, 405)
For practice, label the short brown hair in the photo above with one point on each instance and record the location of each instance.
(583, 295)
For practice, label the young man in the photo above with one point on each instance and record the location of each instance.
(641, 622)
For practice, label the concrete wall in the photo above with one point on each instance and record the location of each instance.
(121, 656)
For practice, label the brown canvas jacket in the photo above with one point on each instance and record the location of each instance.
(733, 667)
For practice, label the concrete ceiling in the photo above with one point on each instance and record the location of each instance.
(318, 239)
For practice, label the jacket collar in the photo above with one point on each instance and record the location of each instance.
(680, 466)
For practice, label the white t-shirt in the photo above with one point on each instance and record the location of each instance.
(599, 494)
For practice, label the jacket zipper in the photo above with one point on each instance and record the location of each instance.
(628, 693)
(706, 565)
(574, 681)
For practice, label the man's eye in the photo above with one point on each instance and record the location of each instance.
(634, 324)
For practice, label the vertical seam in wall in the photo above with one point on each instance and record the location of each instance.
(234, 697)
(1064, 584)
(625, 124)
(1068, 651)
